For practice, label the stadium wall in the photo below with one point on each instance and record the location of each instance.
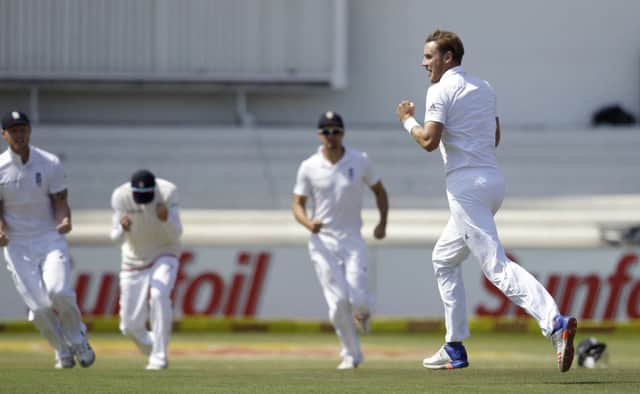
(539, 55)
(254, 265)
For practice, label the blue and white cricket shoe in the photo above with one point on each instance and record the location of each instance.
(450, 356)
(564, 330)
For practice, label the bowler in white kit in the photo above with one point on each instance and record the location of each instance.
(34, 218)
(334, 179)
(461, 119)
(146, 221)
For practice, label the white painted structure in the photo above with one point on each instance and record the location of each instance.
(552, 63)
(255, 263)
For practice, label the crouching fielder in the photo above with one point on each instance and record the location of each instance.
(334, 178)
(146, 221)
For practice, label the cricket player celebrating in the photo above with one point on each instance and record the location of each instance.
(334, 178)
(461, 118)
(146, 221)
(34, 216)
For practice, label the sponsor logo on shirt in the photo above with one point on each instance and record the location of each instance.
(38, 179)
(433, 108)
(351, 173)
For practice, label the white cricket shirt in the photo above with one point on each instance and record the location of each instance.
(467, 108)
(25, 191)
(148, 238)
(336, 190)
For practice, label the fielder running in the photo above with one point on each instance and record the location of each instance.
(334, 178)
(461, 118)
(146, 221)
(34, 216)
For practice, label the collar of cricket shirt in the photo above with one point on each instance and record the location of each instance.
(453, 71)
(17, 160)
(327, 164)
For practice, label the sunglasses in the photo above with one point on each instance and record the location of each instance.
(327, 132)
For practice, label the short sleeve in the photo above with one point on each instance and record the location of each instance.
(495, 100)
(302, 186)
(116, 204)
(369, 175)
(172, 198)
(116, 201)
(436, 104)
(58, 179)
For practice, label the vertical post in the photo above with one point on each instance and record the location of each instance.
(243, 116)
(340, 19)
(34, 104)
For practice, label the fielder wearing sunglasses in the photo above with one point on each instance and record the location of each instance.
(327, 132)
(334, 178)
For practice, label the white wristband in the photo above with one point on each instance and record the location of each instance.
(410, 123)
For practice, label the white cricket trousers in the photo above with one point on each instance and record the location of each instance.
(146, 295)
(475, 195)
(41, 271)
(341, 268)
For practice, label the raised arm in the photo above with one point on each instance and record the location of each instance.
(427, 136)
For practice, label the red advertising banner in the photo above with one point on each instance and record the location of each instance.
(279, 282)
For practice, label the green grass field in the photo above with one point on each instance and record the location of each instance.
(277, 363)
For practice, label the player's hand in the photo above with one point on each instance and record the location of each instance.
(405, 110)
(64, 226)
(162, 212)
(315, 226)
(4, 241)
(380, 231)
(125, 222)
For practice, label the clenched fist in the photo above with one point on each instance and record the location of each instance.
(125, 222)
(405, 110)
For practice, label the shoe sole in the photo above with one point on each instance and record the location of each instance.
(446, 366)
(64, 366)
(565, 358)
